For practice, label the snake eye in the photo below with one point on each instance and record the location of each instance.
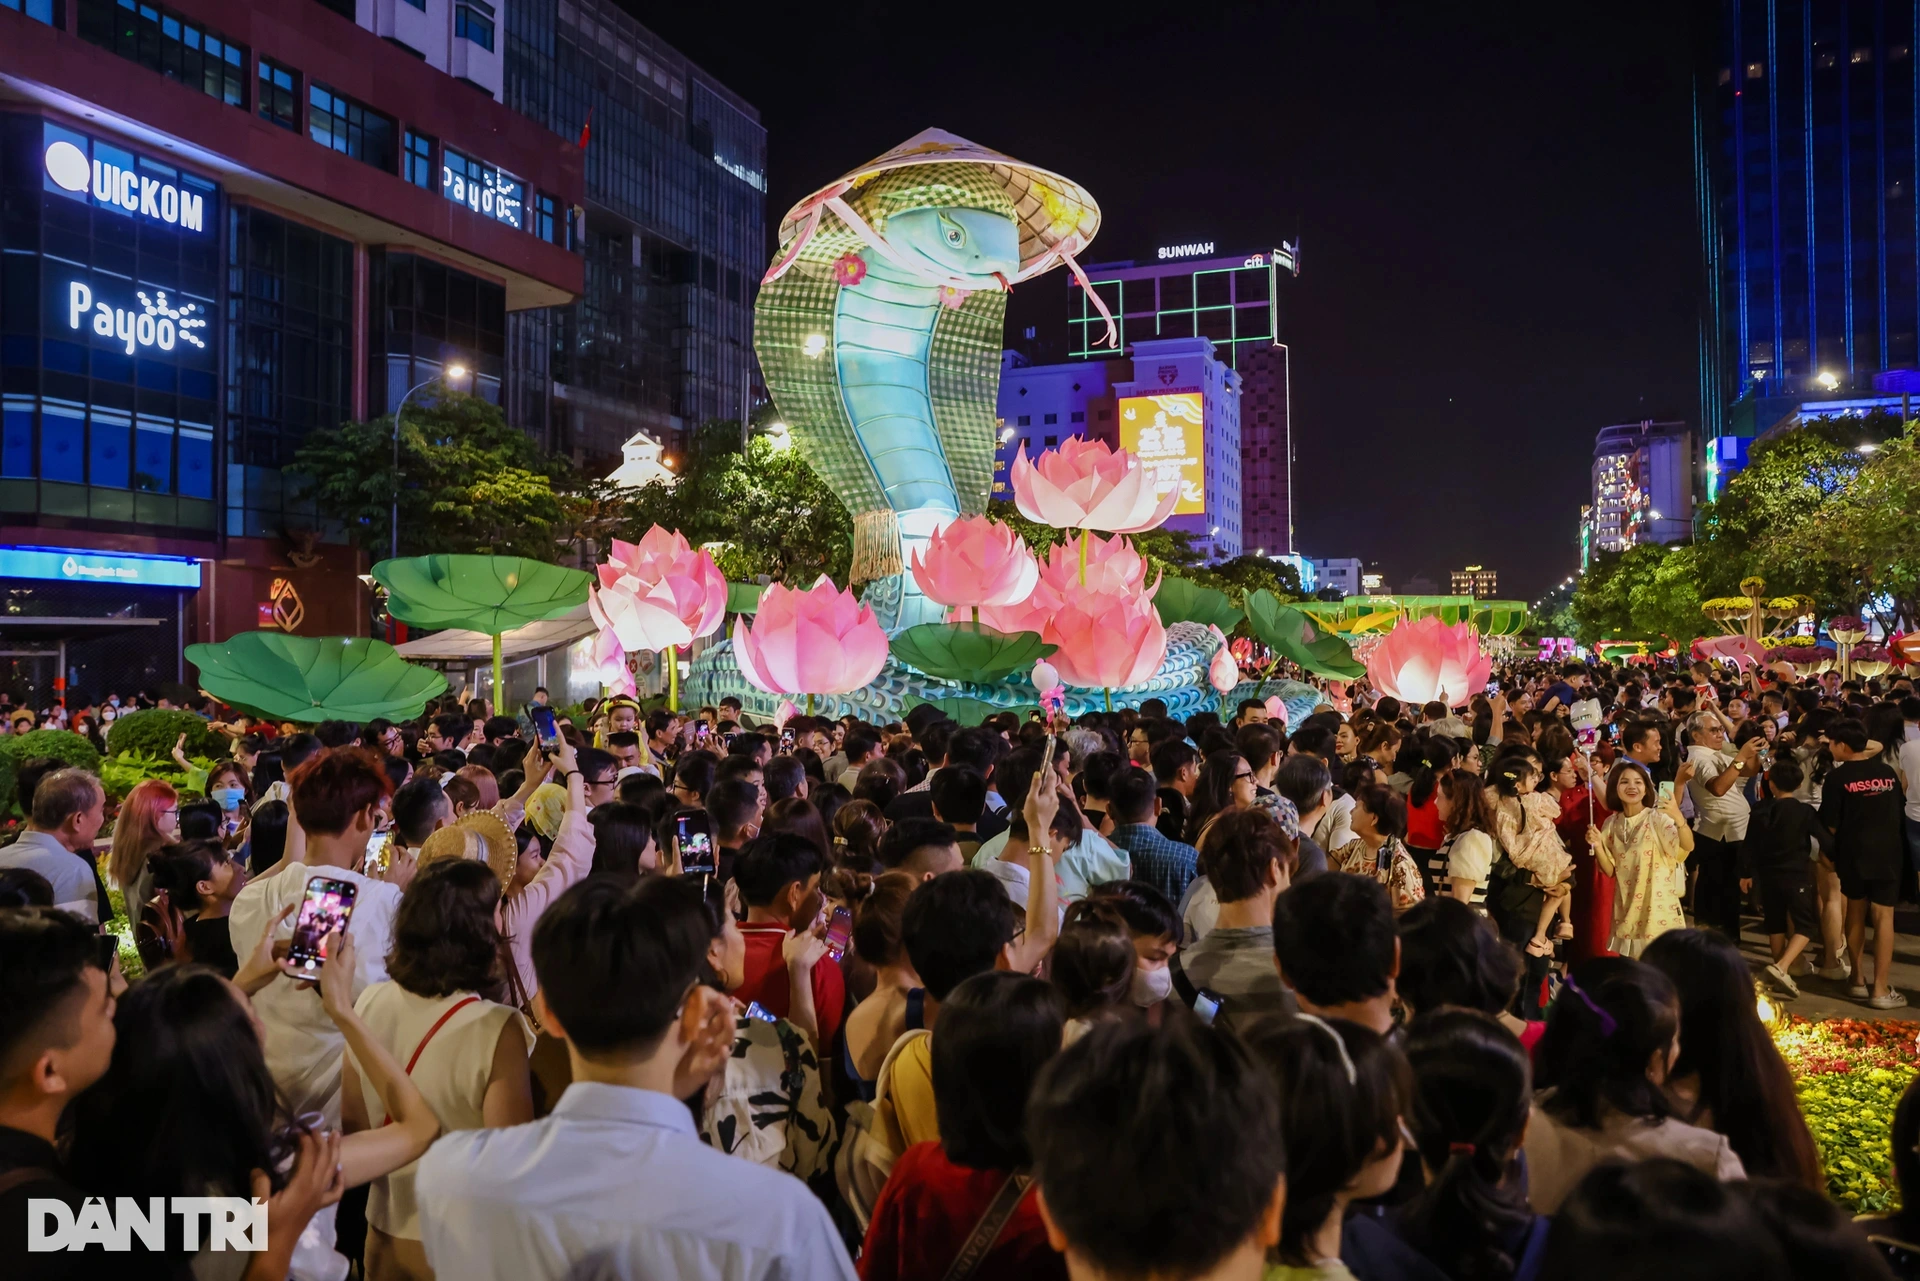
(956, 234)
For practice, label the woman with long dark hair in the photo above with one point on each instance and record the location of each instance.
(1226, 782)
(1612, 1038)
(188, 1108)
(1472, 1086)
(1730, 1076)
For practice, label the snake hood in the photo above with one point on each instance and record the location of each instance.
(878, 327)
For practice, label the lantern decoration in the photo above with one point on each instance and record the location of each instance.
(975, 561)
(1107, 640)
(1086, 484)
(659, 594)
(1429, 661)
(817, 641)
(1277, 710)
(1223, 673)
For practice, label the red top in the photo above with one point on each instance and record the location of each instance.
(930, 1207)
(1424, 828)
(767, 982)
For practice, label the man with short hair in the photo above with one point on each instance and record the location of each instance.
(624, 747)
(1249, 863)
(617, 1181)
(1862, 805)
(1250, 711)
(960, 800)
(56, 1039)
(1176, 767)
(922, 847)
(1335, 944)
(1304, 782)
(979, 748)
(860, 746)
(1133, 800)
(740, 764)
(64, 815)
(420, 808)
(779, 879)
(736, 807)
(335, 799)
(1720, 812)
(446, 732)
(497, 729)
(1158, 1152)
(600, 772)
(785, 777)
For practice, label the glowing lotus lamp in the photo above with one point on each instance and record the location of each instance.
(973, 562)
(817, 641)
(659, 594)
(1429, 661)
(1084, 484)
(1106, 641)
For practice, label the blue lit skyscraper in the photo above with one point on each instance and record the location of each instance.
(1808, 142)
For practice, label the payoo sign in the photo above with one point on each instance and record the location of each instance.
(65, 565)
(87, 169)
(1194, 250)
(231, 1222)
(158, 323)
(481, 187)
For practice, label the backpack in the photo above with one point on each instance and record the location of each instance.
(160, 933)
(866, 1154)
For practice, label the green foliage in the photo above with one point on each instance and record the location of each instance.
(154, 731)
(468, 482)
(767, 509)
(121, 774)
(1292, 634)
(68, 748)
(968, 652)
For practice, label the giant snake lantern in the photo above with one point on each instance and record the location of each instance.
(878, 329)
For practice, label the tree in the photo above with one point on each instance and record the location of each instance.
(1868, 534)
(467, 481)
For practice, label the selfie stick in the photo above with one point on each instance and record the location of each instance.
(1586, 725)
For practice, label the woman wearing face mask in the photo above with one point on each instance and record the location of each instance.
(769, 1105)
(229, 787)
(1093, 966)
(149, 818)
(1154, 928)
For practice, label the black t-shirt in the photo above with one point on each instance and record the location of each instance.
(30, 1170)
(212, 944)
(1862, 805)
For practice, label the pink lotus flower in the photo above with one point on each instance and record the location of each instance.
(1085, 485)
(1106, 641)
(610, 665)
(1114, 568)
(953, 296)
(1223, 673)
(1429, 660)
(817, 641)
(1029, 615)
(849, 269)
(658, 592)
(975, 560)
(1277, 710)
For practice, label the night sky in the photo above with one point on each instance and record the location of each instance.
(1494, 202)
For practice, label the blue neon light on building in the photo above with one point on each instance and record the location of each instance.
(65, 565)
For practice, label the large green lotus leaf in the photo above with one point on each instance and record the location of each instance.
(1500, 618)
(1292, 634)
(744, 598)
(490, 594)
(963, 711)
(964, 652)
(315, 678)
(1182, 600)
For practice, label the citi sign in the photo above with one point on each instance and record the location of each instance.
(123, 188)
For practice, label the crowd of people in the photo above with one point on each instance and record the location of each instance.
(1392, 993)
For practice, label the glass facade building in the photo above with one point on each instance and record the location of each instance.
(674, 235)
(1808, 150)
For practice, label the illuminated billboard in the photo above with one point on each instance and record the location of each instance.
(1165, 431)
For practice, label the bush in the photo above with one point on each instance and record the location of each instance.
(62, 745)
(153, 732)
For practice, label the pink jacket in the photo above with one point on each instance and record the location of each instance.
(567, 862)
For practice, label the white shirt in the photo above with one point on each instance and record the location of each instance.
(303, 1046)
(1091, 860)
(1723, 817)
(74, 889)
(1335, 827)
(1910, 766)
(616, 1185)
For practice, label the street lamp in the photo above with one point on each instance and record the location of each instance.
(452, 371)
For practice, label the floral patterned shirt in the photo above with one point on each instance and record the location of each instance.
(1391, 865)
(770, 1105)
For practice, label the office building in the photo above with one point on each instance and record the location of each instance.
(223, 226)
(1477, 581)
(1189, 291)
(1806, 122)
(1343, 573)
(673, 232)
(1172, 403)
(1642, 486)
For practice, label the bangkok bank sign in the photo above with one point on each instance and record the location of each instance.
(84, 168)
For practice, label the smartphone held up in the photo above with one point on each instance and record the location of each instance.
(326, 907)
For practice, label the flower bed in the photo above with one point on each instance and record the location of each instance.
(1850, 1074)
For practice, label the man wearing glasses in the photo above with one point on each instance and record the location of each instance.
(1720, 817)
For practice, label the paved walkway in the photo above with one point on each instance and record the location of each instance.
(1824, 999)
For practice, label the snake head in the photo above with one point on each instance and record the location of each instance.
(977, 244)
